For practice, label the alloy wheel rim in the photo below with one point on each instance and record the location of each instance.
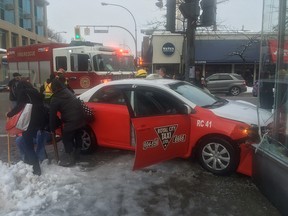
(216, 156)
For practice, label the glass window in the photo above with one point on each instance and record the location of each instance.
(273, 79)
(79, 62)
(225, 77)
(115, 62)
(109, 95)
(194, 94)
(151, 103)
(61, 62)
(14, 40)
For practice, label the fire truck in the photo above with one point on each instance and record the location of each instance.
(84, 66)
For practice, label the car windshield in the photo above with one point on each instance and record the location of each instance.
(105, 62)
(197, 95)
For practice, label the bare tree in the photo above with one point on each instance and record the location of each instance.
(54, 36)
(244, 47)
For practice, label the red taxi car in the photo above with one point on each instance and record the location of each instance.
(163, 118)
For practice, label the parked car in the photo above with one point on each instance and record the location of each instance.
(4, 85)
(232, 84)
(162, 119)
(3, 88)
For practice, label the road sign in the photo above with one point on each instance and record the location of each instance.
(87, 31)
(100, 30)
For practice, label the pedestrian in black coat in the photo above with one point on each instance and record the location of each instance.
(72, 117)
(26, 93)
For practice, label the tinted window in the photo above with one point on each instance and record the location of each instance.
(79, 62)
(61, 62)
(214, 77)
(225, 77)
(238, 76)
(109, 95)
(152, 103)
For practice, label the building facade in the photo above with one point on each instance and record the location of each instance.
(22, 22)
(214, 53)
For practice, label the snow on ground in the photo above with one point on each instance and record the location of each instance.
(107, 189)
(249, 89)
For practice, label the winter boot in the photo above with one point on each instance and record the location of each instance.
(68, 160)
(36, 169)
(77, 152)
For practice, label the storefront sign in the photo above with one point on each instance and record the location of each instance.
(168, 49)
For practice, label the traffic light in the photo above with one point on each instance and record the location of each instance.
(77, 33)
(208, 16)
(171, 15)
(190, 9)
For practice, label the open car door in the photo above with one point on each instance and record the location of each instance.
(160, 138)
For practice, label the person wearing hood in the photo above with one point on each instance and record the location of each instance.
(12, 88)
(64, 102)
(26, 93)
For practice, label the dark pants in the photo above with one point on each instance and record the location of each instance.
(29, 151)
(72, 140)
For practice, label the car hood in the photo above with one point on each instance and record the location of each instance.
(245, 112)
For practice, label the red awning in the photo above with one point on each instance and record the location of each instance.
(273, 49)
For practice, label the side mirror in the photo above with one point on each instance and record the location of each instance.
(185, 109)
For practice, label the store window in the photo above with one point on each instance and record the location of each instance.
(273, 78)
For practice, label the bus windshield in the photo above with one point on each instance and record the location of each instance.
(105, 62)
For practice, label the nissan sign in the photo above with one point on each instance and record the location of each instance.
(168, 49)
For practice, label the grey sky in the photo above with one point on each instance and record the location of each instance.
(64, 15)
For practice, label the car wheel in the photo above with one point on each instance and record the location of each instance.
(218, 156)
(235, 91)
(88, 141)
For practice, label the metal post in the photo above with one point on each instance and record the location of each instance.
(190, 50)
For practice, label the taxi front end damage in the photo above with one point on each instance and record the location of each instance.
(224, 151)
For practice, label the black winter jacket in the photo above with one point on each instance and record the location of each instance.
(70, 109)
(31, 95)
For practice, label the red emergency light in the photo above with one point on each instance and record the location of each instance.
(43, 49)
(122, 51)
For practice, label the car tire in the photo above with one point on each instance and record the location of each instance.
(218, 156)
(234, 91)
(88, 141)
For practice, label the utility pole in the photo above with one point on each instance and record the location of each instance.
(190, 50)
(190, 10)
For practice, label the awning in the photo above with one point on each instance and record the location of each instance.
(227, 51)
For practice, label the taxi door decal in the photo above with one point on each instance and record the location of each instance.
(165, 134)
(160, 138)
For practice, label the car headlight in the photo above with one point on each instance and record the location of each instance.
(253, 132)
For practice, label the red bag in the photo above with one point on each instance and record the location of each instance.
(11, 124)
(19, 122)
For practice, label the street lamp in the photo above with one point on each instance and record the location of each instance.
(135, 25)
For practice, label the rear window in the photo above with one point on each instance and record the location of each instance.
(238, 76)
